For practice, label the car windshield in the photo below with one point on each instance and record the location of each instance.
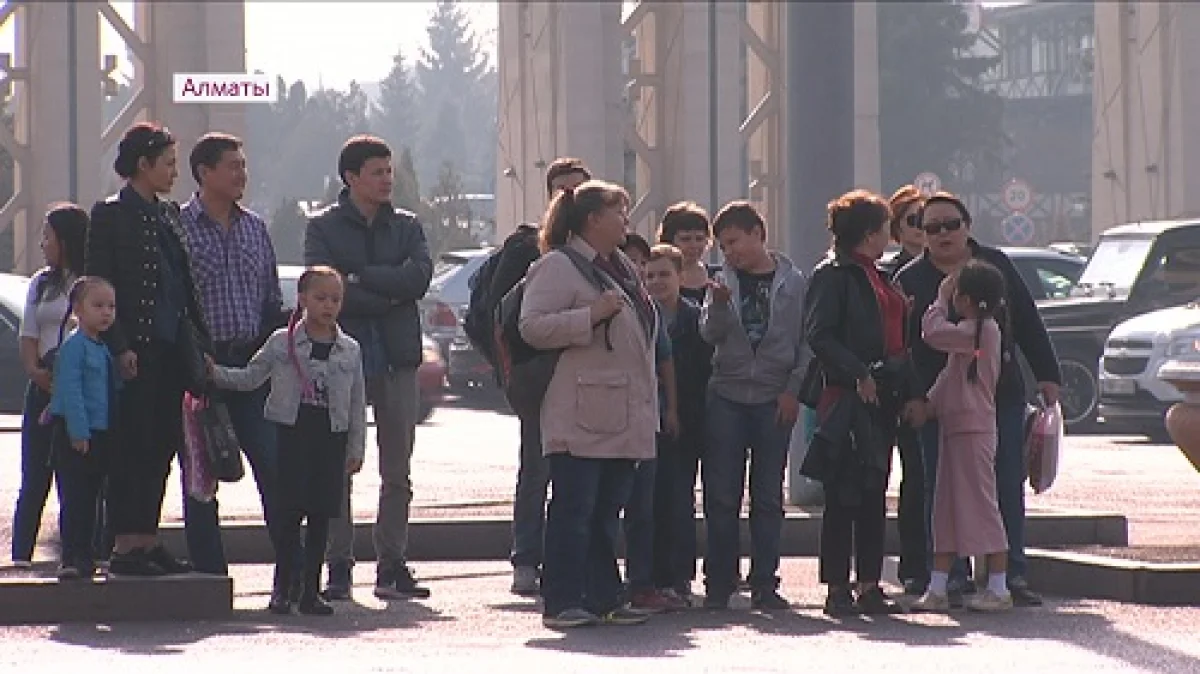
(446, 266)
(1113, 267)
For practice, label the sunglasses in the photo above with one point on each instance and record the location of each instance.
(935, 228)
(913, 220)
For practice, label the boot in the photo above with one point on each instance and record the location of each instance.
(311, 602)
(338, 587)
(281, 602)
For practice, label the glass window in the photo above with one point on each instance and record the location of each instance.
(1114, 266)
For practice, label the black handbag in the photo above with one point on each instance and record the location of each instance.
(224, 451)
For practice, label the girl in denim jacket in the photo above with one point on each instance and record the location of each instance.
(318, 400)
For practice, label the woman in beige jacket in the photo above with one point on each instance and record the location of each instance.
(600, 411)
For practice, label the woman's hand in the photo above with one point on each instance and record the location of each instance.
(868, 391)
(916, 413)
(81, 446)
(128, 364)
(42, 378)
(353, 466)
(209, 364)
(606, 306)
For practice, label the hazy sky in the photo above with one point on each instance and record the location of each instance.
(327, 42)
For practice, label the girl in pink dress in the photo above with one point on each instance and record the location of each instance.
(966, 517)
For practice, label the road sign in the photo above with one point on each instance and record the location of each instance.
(1018, 230)
(928, 183)
(1018, 195)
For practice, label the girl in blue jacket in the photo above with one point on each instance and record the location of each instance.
(82, 401)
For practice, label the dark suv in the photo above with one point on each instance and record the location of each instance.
(1133, 269)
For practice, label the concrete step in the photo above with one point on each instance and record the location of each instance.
(490, 538)
(31, 598)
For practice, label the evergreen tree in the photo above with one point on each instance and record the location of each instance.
(406, 191)
(449, 224)
(454, 70)
(933, 114)
(395, 118)
(445, 140)
(287, 231)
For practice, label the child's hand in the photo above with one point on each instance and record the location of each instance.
(208, 365)
(80, 446)
(670, 423)
(946, 289)
(353, 466)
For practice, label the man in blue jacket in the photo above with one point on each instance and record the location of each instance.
(947, 225)
(383, 256)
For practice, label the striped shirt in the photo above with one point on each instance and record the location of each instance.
(234, 269)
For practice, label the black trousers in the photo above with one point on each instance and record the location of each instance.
(853, 531)
(910, 514)
(316, 536)
(149, 434)
(79, 478)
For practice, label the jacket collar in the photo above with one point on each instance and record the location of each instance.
(302, 338)
(345, 203)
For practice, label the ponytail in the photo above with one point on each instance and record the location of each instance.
(973, 368)
(557, 225)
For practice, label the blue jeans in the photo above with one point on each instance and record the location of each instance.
(529, 502)
(36, 474)
(734, 429)
(581, 533)
(1010, 485)
(639, 528)
(256, 435)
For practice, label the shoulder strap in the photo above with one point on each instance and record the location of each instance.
(587, 268)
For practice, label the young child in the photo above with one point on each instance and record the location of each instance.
(318, 401)
(966, 517)
(82, 403)
(641, 518)
(678, 454)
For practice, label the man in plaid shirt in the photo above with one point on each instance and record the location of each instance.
(235, 270)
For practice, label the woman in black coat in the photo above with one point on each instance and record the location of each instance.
(136, 242)
(854, 324)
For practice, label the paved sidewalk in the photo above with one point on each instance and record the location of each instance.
(465, 465)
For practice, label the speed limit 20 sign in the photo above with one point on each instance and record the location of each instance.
(1018, 195)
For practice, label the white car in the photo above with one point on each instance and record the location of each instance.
(1132, 397)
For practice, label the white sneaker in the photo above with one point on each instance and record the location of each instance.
(22, 564)
(932, 603)
(989, 602)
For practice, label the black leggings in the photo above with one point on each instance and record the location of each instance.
(316, 536)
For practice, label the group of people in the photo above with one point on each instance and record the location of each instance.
(664, 368)
(145, 300)
(672, 367)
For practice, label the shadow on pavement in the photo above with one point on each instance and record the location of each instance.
(163, 638)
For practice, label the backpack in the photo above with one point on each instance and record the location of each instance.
(495, 277)
(525, 371)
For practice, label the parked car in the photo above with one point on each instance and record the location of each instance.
(445, 305)
(1134, 269)
(431, 375)
(1132, 397)
(13, 288)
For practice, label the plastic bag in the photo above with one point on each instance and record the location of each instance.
(1043, 440)
(198, 479)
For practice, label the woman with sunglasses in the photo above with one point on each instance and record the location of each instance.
(135, 241)
(905, 227)
(949, 246)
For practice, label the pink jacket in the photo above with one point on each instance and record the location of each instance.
(600, 404)
(961, 405)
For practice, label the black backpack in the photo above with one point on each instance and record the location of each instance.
(498, 274)
(525, 371)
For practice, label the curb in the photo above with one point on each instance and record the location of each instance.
(26, 601)
(490, 538)
(1074, 574)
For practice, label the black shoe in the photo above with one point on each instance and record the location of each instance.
(170, 564)
(280, 604)
(956, 588)
(338, 586)
(839, 603)
(406, 585)
(915, 588)
(134, 563)
(314, 605)
(873, 601)
(1021, 594)
(295, 590)
(768, 600)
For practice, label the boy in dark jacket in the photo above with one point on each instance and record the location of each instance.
(679, 454)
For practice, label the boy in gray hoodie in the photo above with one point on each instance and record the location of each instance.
(752, 316)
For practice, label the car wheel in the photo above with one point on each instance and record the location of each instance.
(1079, 395)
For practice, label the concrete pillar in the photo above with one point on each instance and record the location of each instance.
(1146, 83)
(866, 98)
(58, 116)
(698, 164)
(560, 95)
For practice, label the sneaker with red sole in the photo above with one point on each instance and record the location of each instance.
(653, 601)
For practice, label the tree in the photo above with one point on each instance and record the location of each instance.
(287, 231)
(445, 139)
(449, 225)
(455, 70)
(406, 191)
(933, 114)
(395, 118)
